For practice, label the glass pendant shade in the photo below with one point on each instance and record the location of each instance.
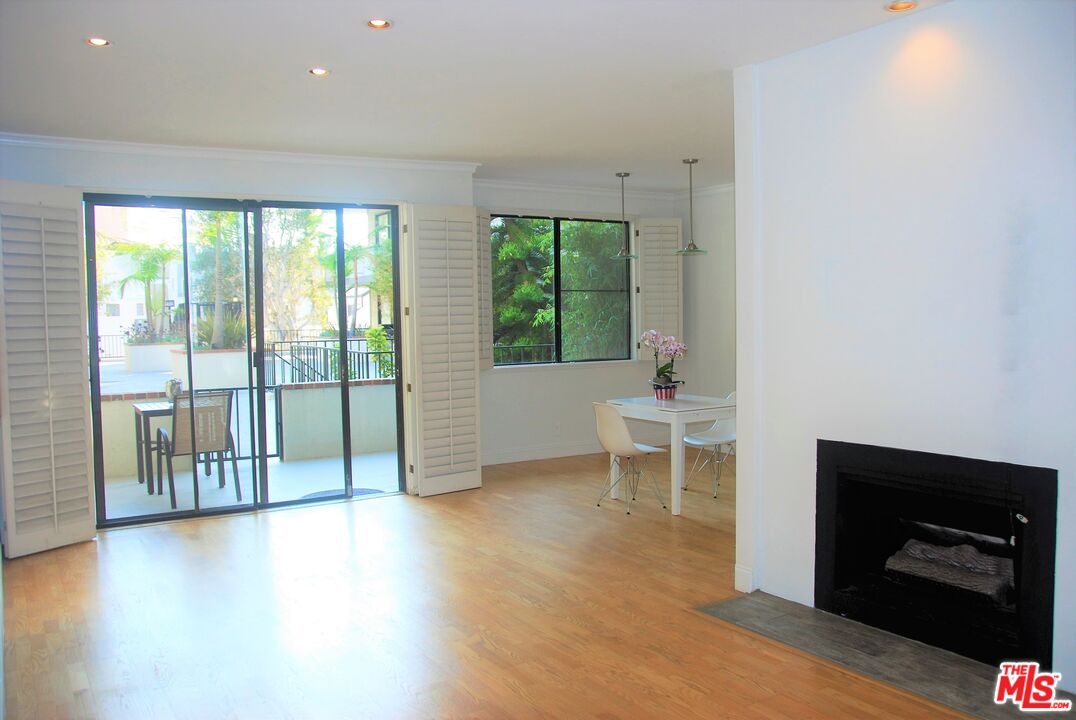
(625, 250)
(691, 248)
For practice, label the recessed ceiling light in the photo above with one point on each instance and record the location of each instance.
(318, 71)
(901, 5)
(97, 42)
(379, 23)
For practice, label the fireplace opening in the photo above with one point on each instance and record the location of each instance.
(954, 552)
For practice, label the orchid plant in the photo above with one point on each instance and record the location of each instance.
(667, 346)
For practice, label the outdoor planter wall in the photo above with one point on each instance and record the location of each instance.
(149, 357)
(212, 368)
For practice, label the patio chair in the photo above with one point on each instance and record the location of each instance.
(212, 425)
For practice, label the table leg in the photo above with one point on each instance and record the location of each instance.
(147, 443)
(676, 449)
(614, 473)
(138, 447)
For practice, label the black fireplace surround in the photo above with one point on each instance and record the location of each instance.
(881, 511)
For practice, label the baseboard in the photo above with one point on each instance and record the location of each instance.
(539, 452)
(554, 450)
(744, 580)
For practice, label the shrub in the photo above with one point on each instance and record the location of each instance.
(235, 331)
(377, 341)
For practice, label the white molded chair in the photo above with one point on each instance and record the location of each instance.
(722, 434)
(616, 439)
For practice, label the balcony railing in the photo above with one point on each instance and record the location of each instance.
(110, 346)
(308, 361)
(523, 354)
(315, 359)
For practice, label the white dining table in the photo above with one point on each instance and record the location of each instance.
(677, 414)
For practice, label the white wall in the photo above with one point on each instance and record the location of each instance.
(544, 411)
(98, 166)
(905, 205)
(710, 294)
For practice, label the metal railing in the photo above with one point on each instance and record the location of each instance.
(523, 354)
(110, 347)
(293, 335)
(308, 361)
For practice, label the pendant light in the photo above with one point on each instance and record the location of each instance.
(691, 248)
(625, 251)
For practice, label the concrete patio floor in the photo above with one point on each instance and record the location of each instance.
(126, 497)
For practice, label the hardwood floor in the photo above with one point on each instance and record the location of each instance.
(520, 600)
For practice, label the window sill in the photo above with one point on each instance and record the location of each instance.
(556, 367)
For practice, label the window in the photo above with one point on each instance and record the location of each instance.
(112, 310)
(381, 258)
(382, 227)
(558, 294)
(140, 310)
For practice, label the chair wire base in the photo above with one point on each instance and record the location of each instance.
(630, 475)
(716, 464)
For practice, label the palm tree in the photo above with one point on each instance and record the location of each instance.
(150, 263)
(353, 258)
(221, 231)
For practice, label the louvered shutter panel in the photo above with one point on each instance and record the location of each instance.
(485, 293)
(44, 393)
(660, 301)
(445, 327)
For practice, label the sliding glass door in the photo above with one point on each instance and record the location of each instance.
(244, 354)
(300, 330)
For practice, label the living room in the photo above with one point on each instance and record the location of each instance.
(885, 202)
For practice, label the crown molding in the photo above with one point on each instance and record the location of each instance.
(48, 142)
(715, 190)
(533, 187)
(709, 191)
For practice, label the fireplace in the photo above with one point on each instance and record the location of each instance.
(954, 552)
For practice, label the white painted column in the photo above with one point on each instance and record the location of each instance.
(748, 304)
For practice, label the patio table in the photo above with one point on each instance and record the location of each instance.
(144, 445)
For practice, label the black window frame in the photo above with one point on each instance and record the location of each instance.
(558, 355)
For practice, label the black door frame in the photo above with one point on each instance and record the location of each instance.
(251, 211)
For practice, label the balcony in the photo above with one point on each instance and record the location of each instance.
(303, 440)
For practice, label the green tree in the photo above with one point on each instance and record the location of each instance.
(375, 257)
(595, 304)
(150, 263)
(299, 290)
(522, 277)
(217, 264)
(594, 298)
(353, 260)
(381, 282)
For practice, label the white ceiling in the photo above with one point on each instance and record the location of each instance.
(560, 91)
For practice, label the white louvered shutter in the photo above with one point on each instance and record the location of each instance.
(444, 288)
(485, 293)
(660, 300)
(44, 392)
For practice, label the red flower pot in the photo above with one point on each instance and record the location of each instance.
(665, 392)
